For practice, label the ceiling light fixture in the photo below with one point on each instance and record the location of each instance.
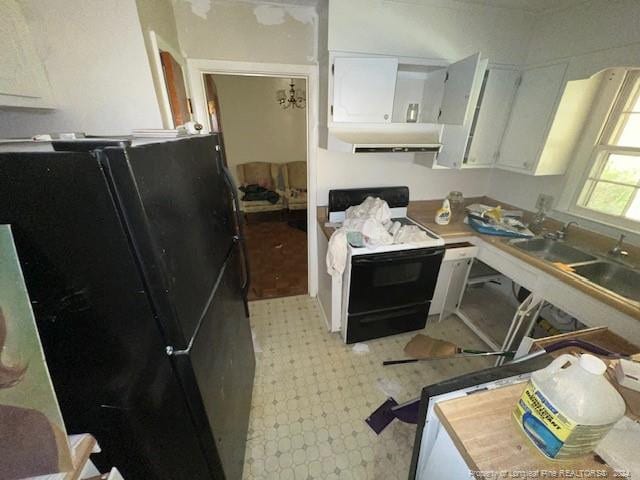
(294, 98)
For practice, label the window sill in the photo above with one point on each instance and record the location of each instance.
(601, 226)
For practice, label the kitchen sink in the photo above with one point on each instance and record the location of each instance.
(553, 251)
(612, 276)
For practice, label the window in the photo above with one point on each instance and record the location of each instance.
(611, 190)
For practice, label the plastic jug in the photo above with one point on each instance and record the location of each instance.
(565, 412)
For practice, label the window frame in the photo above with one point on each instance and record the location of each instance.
(602, 149)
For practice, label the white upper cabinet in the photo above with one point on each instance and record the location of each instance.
(363, 89)
(530, 121)
(380, 89)
(493, 110)
(455, 138)
(23, 82)
(460, 80)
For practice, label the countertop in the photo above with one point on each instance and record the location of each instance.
(483, 430)
(423, 213)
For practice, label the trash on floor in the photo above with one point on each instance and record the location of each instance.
(389, 387)
(256, 346)
(360, 348)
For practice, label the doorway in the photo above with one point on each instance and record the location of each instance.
(263, 120)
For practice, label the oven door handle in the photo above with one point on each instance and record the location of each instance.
(395, 256)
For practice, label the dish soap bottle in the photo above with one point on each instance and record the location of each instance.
(566, 412)
(443, 215)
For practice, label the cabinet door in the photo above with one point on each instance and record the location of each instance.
(457, 282)
(363, 89)
(461, 77)
(455, 137)
(497, 99)
(531, 116)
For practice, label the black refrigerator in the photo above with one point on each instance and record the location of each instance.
(133, 259)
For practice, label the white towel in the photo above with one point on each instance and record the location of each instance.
(371, 218)
(410, 234)
(337, 252)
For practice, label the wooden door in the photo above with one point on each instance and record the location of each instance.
(213, 104)
(364, 89)
(176, 89)
(461, 78)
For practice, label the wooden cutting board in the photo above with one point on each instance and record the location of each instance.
(483, 429)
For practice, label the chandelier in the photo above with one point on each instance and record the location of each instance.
(291, 98)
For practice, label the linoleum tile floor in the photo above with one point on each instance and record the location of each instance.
(312, 393)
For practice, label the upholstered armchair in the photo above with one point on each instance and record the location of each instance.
(295, 185)
(266, 175)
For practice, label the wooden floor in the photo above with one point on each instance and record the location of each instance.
(277, 258)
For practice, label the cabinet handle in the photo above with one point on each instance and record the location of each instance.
(386, 116)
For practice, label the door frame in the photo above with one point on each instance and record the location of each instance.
(197, 68)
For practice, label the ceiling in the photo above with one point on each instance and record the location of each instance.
(302, 3)
(533, 6)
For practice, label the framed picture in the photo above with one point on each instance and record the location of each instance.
(33, 440)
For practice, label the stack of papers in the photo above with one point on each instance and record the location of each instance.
(159, 132)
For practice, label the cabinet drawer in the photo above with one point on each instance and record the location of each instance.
(456, 253)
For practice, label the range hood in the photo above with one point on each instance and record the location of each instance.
(387, 139)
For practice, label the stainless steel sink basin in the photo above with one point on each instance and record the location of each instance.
(553, 251)
(617, 278)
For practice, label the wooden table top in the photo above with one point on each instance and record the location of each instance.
(488, 438)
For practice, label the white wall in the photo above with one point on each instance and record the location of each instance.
(345, 170)
(245, 31)
(435, 29)
(256, 128)
(157, 16)
(96, 63)
(589, 27)
(591, 37)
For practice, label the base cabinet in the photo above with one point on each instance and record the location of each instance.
(329, 287)
(452, 279)
(445, 460)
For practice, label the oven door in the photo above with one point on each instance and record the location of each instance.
(384, 281)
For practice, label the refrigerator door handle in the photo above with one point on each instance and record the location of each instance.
(170, 350)
(240, 236)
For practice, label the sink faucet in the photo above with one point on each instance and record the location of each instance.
(617, 250)
(562, 233)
